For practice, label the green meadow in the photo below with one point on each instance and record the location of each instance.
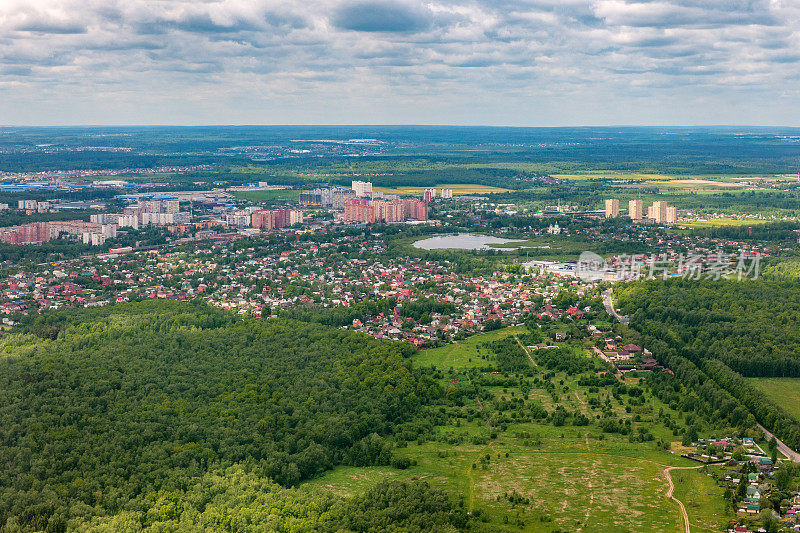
(267, 195)
(783, 391)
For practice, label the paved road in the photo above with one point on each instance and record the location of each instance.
(610, 307)
(671, 489)
(784, 449)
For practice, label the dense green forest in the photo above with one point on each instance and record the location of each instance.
(711, 333)
(112, 411)
(236, 499)
(750, 326)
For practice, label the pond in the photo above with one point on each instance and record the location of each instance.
(462, 241)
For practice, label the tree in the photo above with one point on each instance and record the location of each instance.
(690, 436)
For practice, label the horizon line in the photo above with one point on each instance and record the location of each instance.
(389, 125)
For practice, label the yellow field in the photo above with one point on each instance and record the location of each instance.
(458, 188)
(723, 222)
(691, 181)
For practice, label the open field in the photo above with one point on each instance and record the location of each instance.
(701, 183)
(458, 189)
(783, 391)
(262, 196)
(703, 499)
(688, 180)
(712, 222)
(572, 482)
(462, 354)
(536, 476)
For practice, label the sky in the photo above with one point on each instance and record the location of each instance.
(483, 62)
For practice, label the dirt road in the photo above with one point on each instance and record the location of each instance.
(671, 489)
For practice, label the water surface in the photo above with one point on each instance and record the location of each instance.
(462, 241)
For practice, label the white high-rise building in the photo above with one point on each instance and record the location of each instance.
(362, 188)
(446, 193)
(131, 221)
(108, 230)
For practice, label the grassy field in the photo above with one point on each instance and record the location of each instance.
(687, 180)
(262, 196)
(463, 354)
(703, 499)
(572, 481)
(458, 189)
(535, 476)
(783, 391)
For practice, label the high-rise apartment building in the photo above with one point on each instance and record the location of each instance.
(273, 219)
(659, 213)
(362, 188)
(612, 208)
(366, 211)
(636, 209)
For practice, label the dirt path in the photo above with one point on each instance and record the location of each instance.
(671, 489)
(480, 404)
(589, 485)
(525, 349)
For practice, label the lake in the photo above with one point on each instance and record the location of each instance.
(462, 241)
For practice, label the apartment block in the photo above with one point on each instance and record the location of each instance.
(612, 208)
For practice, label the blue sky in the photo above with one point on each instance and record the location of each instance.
(526, 63)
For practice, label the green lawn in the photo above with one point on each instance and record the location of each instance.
(783, 391)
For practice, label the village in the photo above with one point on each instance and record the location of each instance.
(756, 481)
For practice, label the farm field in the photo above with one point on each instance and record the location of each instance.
(783, 391)
(536, 476)
(458, 189)
(713, 222)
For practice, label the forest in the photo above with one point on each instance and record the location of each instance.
(710, 334)
(750, 326)
(110, 411)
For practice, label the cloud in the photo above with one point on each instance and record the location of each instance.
(382, 16)
(52, 27)
(354, 60)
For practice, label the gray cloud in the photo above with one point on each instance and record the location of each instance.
(55, 27)
(382, 16)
